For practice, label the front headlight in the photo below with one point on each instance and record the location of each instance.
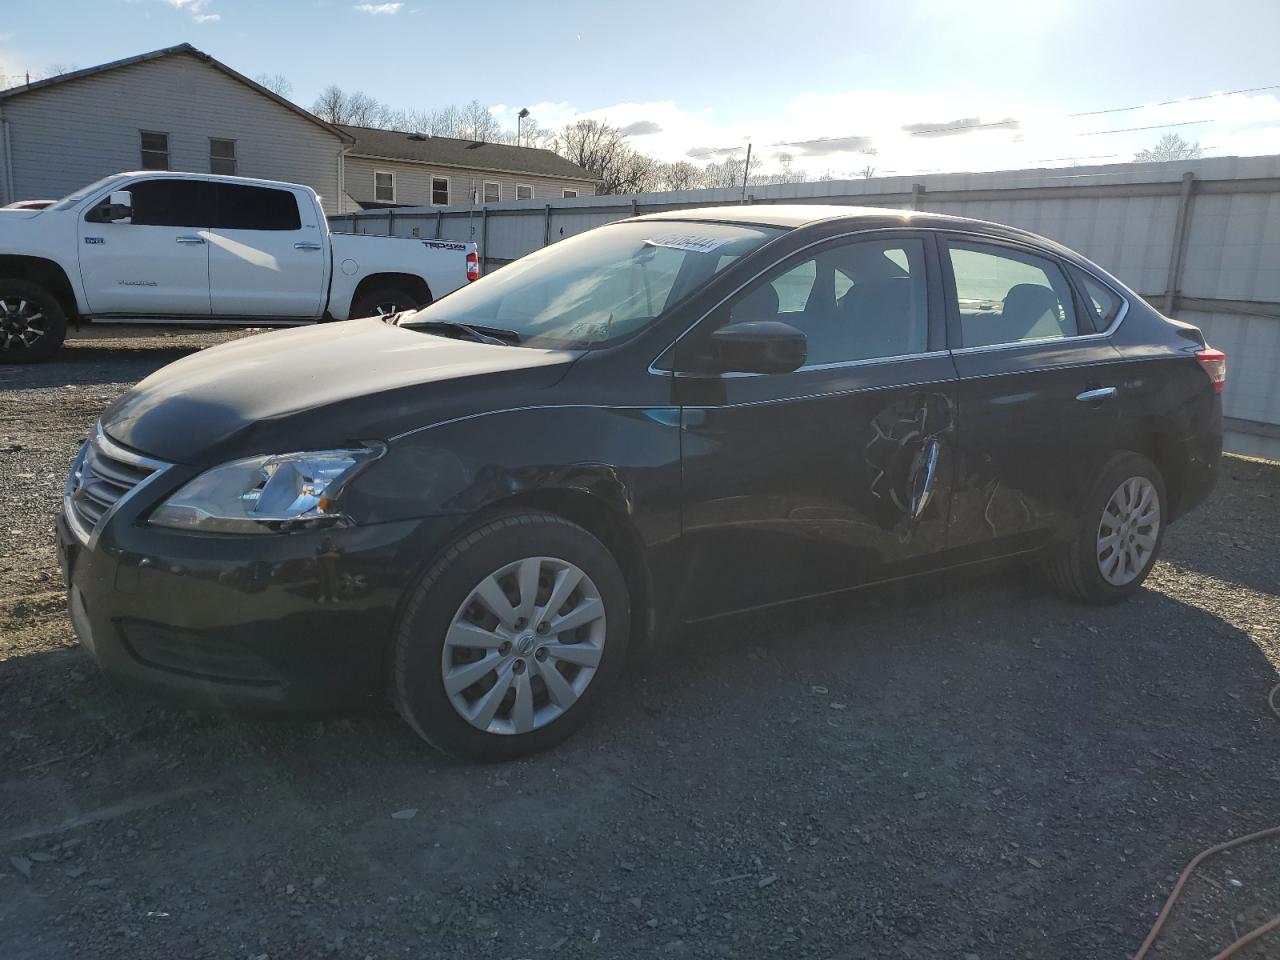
(265, 494)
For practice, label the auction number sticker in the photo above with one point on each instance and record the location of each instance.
(687, 242)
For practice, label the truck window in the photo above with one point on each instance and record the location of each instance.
(241, 207)
(172, 203)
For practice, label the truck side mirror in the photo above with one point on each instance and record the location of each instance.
(117, 208)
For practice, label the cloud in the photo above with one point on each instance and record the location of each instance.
(196, 10)
(377, 9)
(641, 128)
(953, 128)
(826, 146)
(834, 133)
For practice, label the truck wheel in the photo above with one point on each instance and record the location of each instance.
(382, 302)
(32, 322)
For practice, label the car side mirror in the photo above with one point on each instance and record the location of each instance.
(758, 346)
(117, 208)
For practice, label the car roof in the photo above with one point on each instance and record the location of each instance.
(790, 216)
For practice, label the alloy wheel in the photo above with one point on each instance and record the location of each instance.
(524, 645)
(22, 323)
(1128, 531)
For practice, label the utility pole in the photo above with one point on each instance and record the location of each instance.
(524, 112)
(746, 169)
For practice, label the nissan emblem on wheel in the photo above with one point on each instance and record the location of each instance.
(481, 508)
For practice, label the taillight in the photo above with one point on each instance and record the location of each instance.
(473, 266)
(1214, 363)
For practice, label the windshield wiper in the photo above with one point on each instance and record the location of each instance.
(494, 335)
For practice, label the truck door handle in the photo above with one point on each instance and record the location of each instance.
(1098, 395)
(304, 245)
(190, 239)
(925, 479)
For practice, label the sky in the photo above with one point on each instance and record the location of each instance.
(928, 85)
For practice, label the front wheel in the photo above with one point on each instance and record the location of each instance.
(511, 638)
(32, 322)
(1119, 535)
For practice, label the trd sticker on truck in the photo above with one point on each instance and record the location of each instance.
(443, 245)
(138, 283)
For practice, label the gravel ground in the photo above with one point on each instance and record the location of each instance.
(961, 767)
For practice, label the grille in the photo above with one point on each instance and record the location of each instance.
(102, 475)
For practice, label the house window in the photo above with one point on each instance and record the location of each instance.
(155, 150)
(569, 193)
(492, 192)
(384, 186)
(524, 191)
(222, 156)
(440, 191)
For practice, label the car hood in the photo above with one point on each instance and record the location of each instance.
(321, 386)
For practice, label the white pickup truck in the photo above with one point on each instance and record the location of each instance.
(195, 248)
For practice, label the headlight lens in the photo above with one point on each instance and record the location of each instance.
(265, 494)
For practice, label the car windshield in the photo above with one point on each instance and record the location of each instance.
(596, 287)
(77, 195)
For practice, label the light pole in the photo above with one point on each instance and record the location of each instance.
(524, 112)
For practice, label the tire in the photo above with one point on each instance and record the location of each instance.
(383, 301)
(1083, 569)
(446, 602)
(32, 322)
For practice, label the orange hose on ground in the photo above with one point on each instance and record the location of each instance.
(1252, 935)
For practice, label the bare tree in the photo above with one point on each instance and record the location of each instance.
(277, 83)
(680, 175)
(331, 105)
(55, 70)
(867, 172)
(358, 109)
(477, 123)
(1169, 147)
(596, 146)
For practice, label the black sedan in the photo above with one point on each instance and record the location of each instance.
(478, 507)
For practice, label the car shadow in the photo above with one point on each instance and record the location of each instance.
(942, 757)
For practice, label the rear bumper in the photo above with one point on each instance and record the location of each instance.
(280, 624)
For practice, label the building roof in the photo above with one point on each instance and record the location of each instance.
(180, 49)
(378, 144)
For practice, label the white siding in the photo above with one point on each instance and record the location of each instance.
(72, 133)
(413, 182)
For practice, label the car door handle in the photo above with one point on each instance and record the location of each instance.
(190, 239)
(304, 245)
(1094, 396)
(926, 478)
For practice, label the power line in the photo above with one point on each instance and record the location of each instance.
(1169, 103)
(1156, 126)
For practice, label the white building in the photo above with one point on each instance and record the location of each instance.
(180, 109)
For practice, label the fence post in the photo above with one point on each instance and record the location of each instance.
(1178, 248)
(635, 207)
(484, 240)
(439, 224)
(391, 222)
(546, 226)
(917, 196)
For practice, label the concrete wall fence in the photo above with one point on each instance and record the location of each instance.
(1199, 239)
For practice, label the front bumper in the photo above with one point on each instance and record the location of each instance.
(295, 622)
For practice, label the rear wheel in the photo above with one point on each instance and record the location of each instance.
(1119, 535)
(32, 322)
(383, 302)
(511, 638)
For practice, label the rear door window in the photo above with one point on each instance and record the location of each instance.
(1007, 296)
(241, 207)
